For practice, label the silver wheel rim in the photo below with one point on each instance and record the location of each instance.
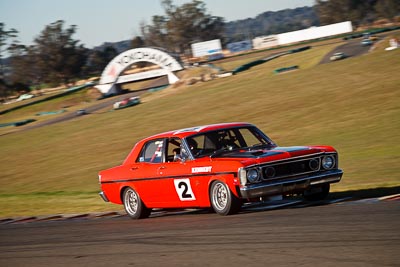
(220, 196)
(131, 201)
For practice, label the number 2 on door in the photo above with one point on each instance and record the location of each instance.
(183, 189)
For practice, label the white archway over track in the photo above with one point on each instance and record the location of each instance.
(109, 78)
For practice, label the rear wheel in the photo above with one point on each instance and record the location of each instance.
(316, 193)
(134, 206)
(222, 200)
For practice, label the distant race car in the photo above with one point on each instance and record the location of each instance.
(338, 56)
(81, 112)
(128, 102)
(25, 97)
(366, 42)
(222, 166)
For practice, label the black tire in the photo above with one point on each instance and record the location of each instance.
(134, 205)
(317, 193)
(222, 200)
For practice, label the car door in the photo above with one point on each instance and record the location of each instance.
(146, 171)
(186, 177)
(175, 177)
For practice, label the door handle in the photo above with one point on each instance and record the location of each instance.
(134, 168)
(160, 170)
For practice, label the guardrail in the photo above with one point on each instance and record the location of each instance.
(285, 69)
(18, 123)
(261, 61)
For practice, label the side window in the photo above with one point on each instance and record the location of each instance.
(199, 141)
(174, 149)
(152, 152)
(196, 146)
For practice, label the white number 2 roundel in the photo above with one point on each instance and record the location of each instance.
(183, 189)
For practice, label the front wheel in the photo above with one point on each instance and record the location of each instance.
(222, 200)
(134, 206)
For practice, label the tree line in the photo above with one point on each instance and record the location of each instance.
(360, 12)
(55, 57)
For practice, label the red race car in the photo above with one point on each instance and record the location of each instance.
(221, 166)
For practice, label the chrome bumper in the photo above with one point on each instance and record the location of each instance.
(290, 185)
(103, 196)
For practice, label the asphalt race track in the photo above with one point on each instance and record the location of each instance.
(93, 108)
(108, 103)
(347, 233)
(352, 48)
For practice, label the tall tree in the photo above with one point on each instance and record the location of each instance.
(358, 11)
(5, 35)
(388, 8)
(20, 64)
(155, 34)
(59, 57)
(137, 42)
(182, 25)
(98, 59)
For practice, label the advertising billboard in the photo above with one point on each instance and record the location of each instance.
(315, 32)
(265, 41)
(207, 48)
(302, 35)
(239, 46)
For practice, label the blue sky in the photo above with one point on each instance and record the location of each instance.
(100, 21)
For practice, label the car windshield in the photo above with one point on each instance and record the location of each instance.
(218, 142)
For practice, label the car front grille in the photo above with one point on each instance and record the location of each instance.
(299, 167)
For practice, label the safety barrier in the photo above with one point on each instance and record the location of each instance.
(261, 61)
(18, 123)
(285, 69)
(50, 112)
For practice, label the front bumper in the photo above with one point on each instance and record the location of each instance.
(103, 196)
(290, 185)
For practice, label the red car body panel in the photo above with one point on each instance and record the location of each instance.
(186, 183)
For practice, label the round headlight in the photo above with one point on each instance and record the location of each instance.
(328, 162)
(269, 172)
(253, 175)
(314, 164)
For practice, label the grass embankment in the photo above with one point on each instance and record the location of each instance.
(351, 104)
(64, 104)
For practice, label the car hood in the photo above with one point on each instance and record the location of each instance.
(250, 157)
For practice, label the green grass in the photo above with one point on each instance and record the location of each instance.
(353, 105)
(69, 103)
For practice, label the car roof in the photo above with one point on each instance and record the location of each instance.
(182, 133)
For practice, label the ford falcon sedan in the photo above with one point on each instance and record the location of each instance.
(222, 166)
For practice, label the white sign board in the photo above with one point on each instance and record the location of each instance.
(315, 33)
(207, 48)
(265, 41)
(128, 58)
(302, 35)
(141, 75)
